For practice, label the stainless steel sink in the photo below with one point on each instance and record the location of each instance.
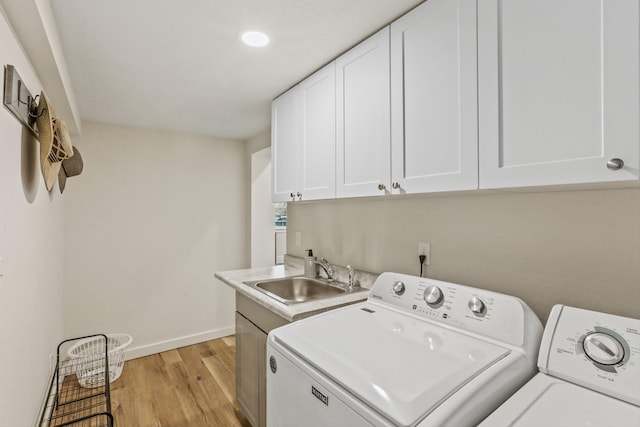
(292, 290)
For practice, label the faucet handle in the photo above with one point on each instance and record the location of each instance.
(329, 267)
(352, 276)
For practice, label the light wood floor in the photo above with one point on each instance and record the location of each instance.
(192, 386)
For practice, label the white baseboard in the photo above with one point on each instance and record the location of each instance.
(158, 347)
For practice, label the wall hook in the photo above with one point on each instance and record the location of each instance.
(33, 107)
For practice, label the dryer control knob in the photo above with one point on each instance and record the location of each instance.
(603, 348)
(432, 295)
(477, 305)
(398, 287)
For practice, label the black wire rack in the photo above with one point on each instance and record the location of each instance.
(79, 393)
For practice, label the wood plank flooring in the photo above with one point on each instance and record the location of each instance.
(192, 386)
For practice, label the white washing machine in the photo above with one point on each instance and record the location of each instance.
(418, 352)
(589, 374)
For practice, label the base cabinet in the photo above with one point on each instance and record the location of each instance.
(253, 323)
(250, 372)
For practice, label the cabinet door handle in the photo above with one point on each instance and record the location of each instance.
(382, 187)
(615, 164)
(396, 185)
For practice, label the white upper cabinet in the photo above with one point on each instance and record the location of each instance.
(318, 140)
(285, 137)
(303, 136)
(558, 91)
(434, 116)
(461, 94)
(363, 119)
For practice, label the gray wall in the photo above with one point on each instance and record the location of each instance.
(579, 248)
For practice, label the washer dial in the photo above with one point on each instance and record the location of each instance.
(398, 287)
(432, 295)
(476, 305)
(603, 348)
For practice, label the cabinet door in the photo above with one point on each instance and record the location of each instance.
(434, 118)
(262, 373)
(317, 153)
(558, 91)
(250, 370)
(285, 135)
(363, 118)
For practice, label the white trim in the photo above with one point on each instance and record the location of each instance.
(158, 347)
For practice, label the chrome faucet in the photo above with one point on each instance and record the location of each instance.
(352, 277)
(326, 266)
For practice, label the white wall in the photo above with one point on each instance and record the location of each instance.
(260, 227)
(31, 245)
(578, 248)
(263, 242)
(151, 219)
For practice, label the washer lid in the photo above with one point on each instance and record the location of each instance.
(400, 366)
(546, 401)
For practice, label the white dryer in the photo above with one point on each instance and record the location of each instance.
(418, 352)
(589, 374)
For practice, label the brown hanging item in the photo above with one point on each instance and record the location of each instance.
(70, 167)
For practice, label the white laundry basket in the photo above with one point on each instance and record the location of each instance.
(87, 356)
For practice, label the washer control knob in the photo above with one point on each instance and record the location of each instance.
(398, 287)
(477, 305)
(432, 295)
(603, 348)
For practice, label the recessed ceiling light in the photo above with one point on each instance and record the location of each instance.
(255, 38)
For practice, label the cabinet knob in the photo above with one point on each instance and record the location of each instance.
(395, 185)
(299, 195)
(382, 187)
(615, 164)
(293, 196)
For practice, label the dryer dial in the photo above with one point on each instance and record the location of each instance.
(432, 295)
(603, 348)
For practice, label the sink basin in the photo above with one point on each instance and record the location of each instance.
(291, 290)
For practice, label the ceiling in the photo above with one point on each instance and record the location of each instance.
(179, 65)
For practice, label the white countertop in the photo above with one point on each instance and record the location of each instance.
(236, 279)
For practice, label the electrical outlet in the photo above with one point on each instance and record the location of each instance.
(298, 238)
(425, 249)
